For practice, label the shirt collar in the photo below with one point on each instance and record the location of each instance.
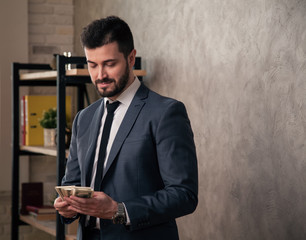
(127, 96)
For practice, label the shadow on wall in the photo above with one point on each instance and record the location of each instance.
(158, 76)
(262, 199)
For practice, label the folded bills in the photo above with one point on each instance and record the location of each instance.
(67, 191)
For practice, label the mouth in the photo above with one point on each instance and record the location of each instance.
(103, 83)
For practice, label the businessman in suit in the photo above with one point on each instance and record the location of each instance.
(148, 173)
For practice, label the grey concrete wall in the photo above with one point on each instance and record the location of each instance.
(240, 67)
(13, 48)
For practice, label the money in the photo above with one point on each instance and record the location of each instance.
(83, 192)
(67, 191)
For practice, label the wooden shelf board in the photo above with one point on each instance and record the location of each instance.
(46, 226)
(70, 237)
(50, 151)
(51, 75)
(46, 75)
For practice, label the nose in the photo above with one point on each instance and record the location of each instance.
(102, 73)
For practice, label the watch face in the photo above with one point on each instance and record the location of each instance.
(119, 219)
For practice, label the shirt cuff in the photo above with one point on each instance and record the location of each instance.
(128, 221)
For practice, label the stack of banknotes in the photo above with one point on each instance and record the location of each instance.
(67, 191)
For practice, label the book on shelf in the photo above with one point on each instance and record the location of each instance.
(40, 209)
(31, 194)
(34, 106)
(22, 120)
(43, 216)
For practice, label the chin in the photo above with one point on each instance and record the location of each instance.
(106, 94)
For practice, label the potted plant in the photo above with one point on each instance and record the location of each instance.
(48, 122)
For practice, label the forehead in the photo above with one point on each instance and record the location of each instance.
(104, 53)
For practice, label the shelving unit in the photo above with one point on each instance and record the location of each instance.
(44, 76)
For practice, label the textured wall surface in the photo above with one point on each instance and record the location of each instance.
(239, 67)
(51, 24)
(13, 47)
(50, 29)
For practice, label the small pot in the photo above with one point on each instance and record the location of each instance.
(49, 137)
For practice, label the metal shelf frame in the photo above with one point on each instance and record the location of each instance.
(61, 82)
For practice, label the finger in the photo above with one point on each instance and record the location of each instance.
(78, 210)
(98, 194)
(85, 211)
(68, 215)
(80, 200)
(81, 208)
(66, 212)
(81, 203)
(60, 204)
(58, 199)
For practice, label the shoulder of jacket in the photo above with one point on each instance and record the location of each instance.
(91, 109)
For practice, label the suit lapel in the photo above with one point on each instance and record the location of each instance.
(94, 132)
(127, 123)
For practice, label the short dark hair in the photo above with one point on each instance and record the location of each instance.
(107, 30)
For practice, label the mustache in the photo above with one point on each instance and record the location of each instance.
(104, 80)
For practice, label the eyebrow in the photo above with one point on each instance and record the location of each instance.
(106, 61)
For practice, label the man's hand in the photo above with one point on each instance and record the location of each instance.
(100, 205)
(63, 208)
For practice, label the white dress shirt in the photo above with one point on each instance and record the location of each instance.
(125, 100)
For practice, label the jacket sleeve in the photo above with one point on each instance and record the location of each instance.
(72, 167)
(73, 173)
(176, 156)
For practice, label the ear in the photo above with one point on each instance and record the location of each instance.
(131, 58)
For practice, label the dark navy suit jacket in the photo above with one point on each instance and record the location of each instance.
(152, 165)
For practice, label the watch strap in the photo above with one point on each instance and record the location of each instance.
(120, 216)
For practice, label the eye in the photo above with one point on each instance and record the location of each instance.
(92, 65)
(110, 64)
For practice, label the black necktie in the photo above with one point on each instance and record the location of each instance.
(111, 108)
(104, 140)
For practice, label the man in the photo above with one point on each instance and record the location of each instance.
(149, 174)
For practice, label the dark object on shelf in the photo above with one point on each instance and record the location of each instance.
(31, 194)
(138, 65)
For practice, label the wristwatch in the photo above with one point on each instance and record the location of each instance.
(120, 217)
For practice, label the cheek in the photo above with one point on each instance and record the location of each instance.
(117, 71)
(113, 72)
(93, 74)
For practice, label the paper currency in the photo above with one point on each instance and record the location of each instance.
(67, 191)
(83, 192)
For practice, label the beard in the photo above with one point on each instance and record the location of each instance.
(118, 86)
